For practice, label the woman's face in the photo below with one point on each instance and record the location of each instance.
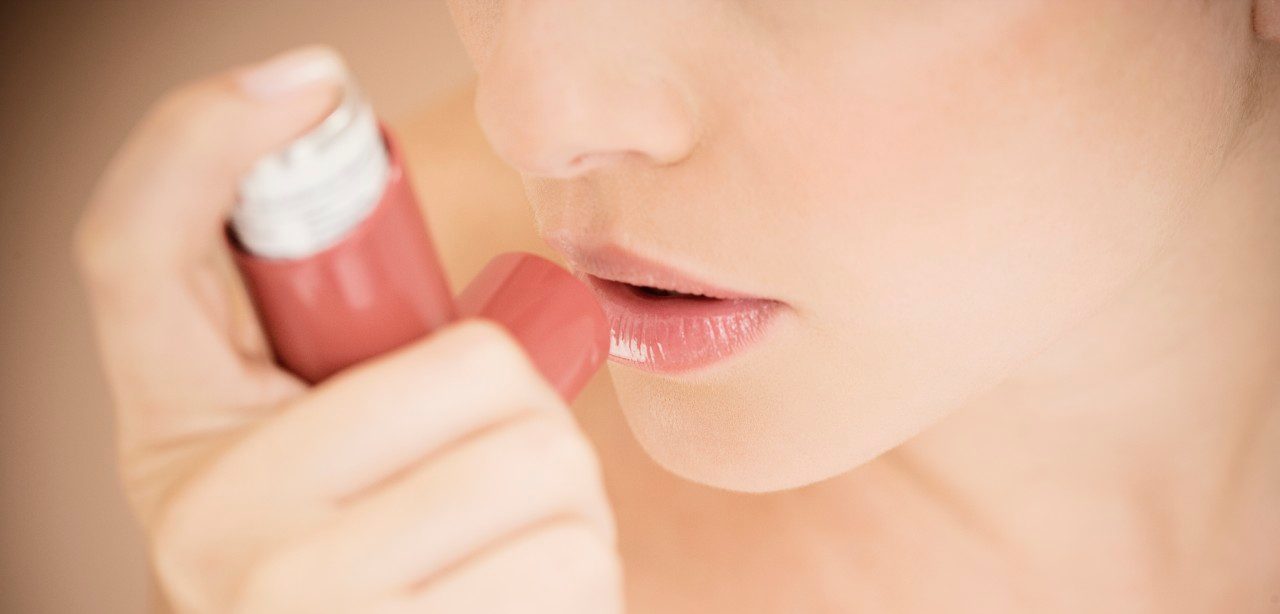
(932, 191)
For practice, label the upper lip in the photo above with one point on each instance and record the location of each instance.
(609, 261)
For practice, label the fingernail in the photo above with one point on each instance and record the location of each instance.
(292, 71)
(553, 315)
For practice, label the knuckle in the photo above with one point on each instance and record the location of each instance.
(562, 461)
(485, 345)
(556, 442)
(480, 350)
(546, 452)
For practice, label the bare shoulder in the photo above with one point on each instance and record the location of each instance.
(474, 203)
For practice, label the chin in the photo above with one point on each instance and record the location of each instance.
(752, 427)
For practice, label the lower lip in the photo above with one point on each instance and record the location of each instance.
(674, 334)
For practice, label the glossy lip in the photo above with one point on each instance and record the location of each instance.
(701, 324)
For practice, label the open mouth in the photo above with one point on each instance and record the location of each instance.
(669, 330)
(662, 319)
(651, 292)
(661, 293)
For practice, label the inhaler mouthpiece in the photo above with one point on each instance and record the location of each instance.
(307, 197)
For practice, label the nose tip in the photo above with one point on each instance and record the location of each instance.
(552, 112)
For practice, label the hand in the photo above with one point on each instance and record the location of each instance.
(410, 483)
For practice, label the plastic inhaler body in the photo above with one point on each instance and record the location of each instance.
(334, 250)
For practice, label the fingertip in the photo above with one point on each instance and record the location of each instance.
(292, 71)
(479, 345)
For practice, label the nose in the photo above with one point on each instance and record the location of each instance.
(570, 86)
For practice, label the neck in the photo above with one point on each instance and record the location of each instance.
(1148, 437)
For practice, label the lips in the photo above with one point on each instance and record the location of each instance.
(664, 320)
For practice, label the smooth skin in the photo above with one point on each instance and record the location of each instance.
(1034, 366)
(404, 485)
(944, 194)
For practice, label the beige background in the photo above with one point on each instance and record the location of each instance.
(75, 76)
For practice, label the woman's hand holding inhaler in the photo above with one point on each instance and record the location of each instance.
(444, 476)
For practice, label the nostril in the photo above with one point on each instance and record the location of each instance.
(586, 162)
(578, 162)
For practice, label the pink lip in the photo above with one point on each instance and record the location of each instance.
(701, 325)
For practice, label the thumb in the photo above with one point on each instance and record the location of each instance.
(146, 238)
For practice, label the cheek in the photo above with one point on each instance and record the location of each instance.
(984, 191)
(952, 211)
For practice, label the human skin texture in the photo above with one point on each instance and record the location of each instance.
(949, 198)
(1025, 262)
(409, 482)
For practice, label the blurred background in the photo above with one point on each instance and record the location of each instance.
(75, 77)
